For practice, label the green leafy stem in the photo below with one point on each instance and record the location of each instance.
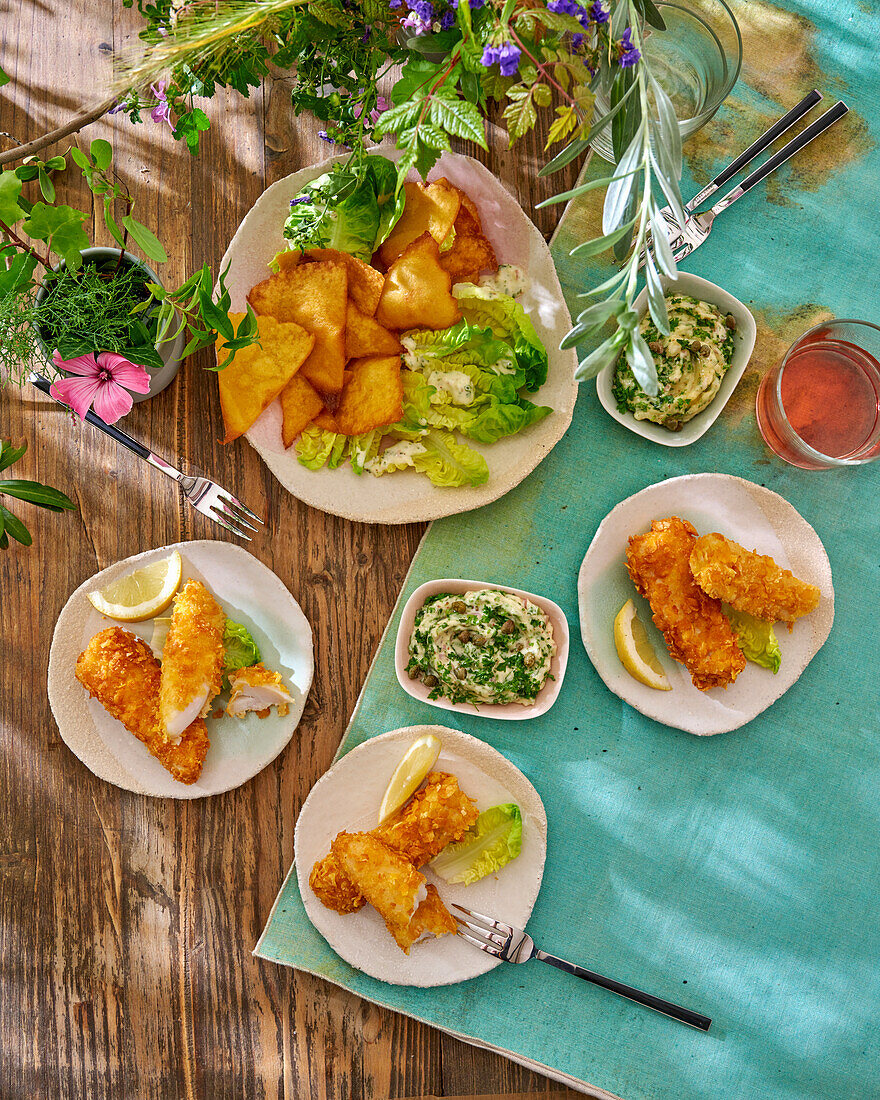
(43, 496)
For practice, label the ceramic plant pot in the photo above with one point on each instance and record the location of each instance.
(169, 352)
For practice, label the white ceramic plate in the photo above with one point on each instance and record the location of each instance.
(348, 797)
(750, 515)
(511, 712)
(249, 593)
(744, 344)
(406, 496)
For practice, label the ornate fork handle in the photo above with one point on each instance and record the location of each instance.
(684, 1015)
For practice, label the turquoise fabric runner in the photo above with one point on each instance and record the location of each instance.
(737, 874)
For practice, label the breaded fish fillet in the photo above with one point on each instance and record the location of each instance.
(436, 815)
(749, 581)
(395, 889)
(192, 659)
(696, 631)
(120, 671)
(257, 688)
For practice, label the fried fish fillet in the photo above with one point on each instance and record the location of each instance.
(436, 815)
(696, 631)
(192, 659)
(749, 581)
(119, 670)
(394, 888)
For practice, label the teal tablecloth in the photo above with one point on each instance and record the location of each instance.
(739, 874)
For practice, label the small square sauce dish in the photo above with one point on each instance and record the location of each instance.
(511, 712)
(744, 342)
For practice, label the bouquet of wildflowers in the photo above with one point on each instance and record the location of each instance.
(456, 58)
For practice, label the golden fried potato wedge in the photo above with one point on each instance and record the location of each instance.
(258, 374)
(314, 295)
(365, 336)
(430, 208)
(373, 397)
(417, 291)
(300, 404)
(364, 282)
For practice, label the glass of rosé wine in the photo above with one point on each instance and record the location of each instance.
(819, 408)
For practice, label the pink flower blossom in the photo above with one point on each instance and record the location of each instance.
(99, 380)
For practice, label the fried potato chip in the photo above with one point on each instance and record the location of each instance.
(468, 220)
(373, 397)
(314, 295)
(300, 403)
(286, 260)
(417, 290)
(365, 336)
(364, 282)
(326, 422)
(468, 256)
(257, 375)
(429, 209)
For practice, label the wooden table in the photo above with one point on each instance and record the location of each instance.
(127, 923)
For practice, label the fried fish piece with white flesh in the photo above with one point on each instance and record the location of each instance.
(192, 659)
(435, 816)
(395, 889)
(119, 670)
(750, 581)
(697, 633)
(257, 688)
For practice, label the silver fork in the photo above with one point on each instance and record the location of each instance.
(746, 157)
(510, 944)
(697, 229)
(205, 496)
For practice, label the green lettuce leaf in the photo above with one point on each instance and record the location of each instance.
(447, 462)
(756, 638)
(488, 419)
(317, 448)
(491, 843)
(241, 651)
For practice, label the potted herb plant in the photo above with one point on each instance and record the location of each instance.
(97, 319)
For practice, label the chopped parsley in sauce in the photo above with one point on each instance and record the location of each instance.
(691, 362)
(484, 646)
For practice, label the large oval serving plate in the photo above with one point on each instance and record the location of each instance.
(749, 514)
(348, 797)
(249, 593)
(406, 496)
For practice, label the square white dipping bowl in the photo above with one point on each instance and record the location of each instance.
(744, 343)
(511, 712)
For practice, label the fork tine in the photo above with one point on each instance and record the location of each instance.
(230, 499)
(230, 514)
(218, 518)
(682, 252)
(494, 937)
(489, 948)
(506, 929)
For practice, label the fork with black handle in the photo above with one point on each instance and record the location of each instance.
(697, 229)
(510, 944)
(205, 496)
(766, 139)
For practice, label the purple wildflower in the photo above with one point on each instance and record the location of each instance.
(490, 56)
(393, 4)
(474, 4)
(412, 22)
(162, 111)
(563, 7)
(424, 9)
(300, 199)
(120, 105)
(628, 53)
(508, 59)
(577, 40)
(447, 20)
(598, 13)
(324, 136)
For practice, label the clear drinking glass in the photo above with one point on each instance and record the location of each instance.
(696, 61)
(819, 408)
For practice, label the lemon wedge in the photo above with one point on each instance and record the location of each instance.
(141, 594)
(635, 650)
(417, 761)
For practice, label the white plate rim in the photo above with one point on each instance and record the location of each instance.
(510, 712)
(328, 490)
(479, 752)
(653, 704)
(66, 695)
